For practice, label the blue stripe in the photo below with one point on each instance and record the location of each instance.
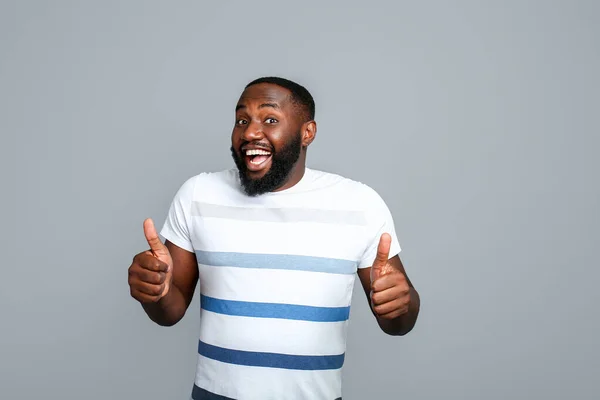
(270, 360)
(275, 310)
(199, 393)
(276, 261)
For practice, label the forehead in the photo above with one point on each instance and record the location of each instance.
(264, 93)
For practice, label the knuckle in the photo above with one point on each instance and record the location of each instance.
(157, 290)
(132, 268)
(149, 277)
(152, 278)
(142, 259)
(157, 278)
(133, 272)
(146, 266)
(376, 298)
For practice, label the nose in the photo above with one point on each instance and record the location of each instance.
(252, 132)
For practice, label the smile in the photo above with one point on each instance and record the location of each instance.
(257, 159)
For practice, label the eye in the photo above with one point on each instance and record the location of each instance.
(241, 122)
(271, 121)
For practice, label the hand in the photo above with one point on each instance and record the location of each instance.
(151, 272)
(390, 292)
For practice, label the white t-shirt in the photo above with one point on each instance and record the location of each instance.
(276, 278)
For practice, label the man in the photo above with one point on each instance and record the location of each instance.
(275, 246)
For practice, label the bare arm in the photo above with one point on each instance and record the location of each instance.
(397, 307)
(163, 279)
(171, 308)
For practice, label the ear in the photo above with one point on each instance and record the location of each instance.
(309, 131)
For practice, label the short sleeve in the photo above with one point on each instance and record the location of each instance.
(176, 228)
(380, 221)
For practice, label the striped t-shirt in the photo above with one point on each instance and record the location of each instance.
(276, 278)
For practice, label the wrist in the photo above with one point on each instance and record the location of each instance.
(168, 310)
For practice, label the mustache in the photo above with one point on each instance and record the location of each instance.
(260, 146)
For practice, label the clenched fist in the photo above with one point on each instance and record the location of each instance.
(151, 271)
(390, 292)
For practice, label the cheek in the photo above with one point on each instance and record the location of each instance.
(236, 137)
(273, 132)
(277, 136)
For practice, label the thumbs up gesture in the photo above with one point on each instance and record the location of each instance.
(390, 292)
(151, 271)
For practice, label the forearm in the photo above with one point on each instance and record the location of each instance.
(168, 310)
(403, 324)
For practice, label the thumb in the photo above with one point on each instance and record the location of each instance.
(156, 246)
(381, 259)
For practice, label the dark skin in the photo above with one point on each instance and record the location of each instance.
(393, 299)
(163, 279)
(264, 117)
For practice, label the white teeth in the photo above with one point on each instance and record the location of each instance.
(257, 153)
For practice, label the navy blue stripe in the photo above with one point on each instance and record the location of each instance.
(270, 360)
(276, 261)
(202, 394)
(275, 310)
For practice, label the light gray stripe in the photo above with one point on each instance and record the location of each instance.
(288, 214)
(276, 261)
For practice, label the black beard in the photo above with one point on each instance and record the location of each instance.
(282, 162)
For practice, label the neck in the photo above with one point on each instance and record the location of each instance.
(296, 174)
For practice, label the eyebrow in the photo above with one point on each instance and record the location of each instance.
(263, 105)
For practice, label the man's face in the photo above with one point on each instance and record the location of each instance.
(266, 141)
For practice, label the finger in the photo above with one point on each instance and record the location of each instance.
(387, 295)
(142, 297)
(383, 251)
(390, 307)
(152, 277)
(389, 280)
(374, 274)
(147, 261)
(394, 314)
(148, 289)
(156, 246)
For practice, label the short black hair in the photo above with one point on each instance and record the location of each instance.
(300, 95)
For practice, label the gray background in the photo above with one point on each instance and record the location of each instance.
(476, 121)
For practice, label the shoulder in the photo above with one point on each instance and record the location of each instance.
(216, 178)
(204, 182)
(351, 190)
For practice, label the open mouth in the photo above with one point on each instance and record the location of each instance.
(257, 159)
